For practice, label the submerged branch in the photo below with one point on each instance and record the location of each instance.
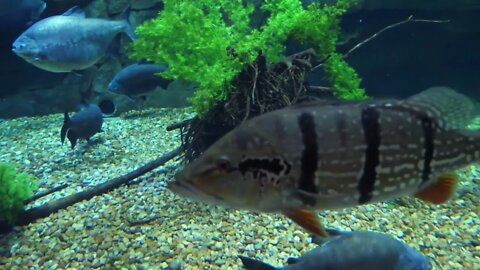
(179, 125)
(376, 34)
(45, 193)
(25, 217)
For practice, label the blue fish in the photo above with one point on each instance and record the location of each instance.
(15, 12)
(138, 79)
(362, 250)
(82, 125)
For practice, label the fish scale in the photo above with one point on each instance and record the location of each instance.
(335, 161)
(338, 155)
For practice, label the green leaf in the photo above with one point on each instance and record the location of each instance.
(210, 41)
(15, 188)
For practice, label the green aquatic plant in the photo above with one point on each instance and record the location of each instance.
(210, 41)
(15, 188)
(345, 81)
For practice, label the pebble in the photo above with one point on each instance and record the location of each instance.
(188, 235)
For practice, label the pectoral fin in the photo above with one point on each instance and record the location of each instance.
(440, 191)
(306, 219)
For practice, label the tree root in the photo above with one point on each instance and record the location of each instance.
(259, 88)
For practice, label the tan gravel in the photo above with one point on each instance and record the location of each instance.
(98, 234)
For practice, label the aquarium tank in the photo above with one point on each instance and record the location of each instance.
(239, 134)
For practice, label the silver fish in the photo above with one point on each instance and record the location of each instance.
(69, 42)
(328, 156)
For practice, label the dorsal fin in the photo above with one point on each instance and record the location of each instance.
(75, 11)
(449, 108)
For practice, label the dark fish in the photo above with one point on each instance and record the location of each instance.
(321, 156)
(82, 125)
(138, 79)
(69, 42)
(25, 11)
(361, 250)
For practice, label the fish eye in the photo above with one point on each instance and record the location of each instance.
(223, 164)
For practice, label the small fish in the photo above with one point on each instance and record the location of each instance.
(321, 156)
(82, 125)
(138, 79)
(362, 250)
(25, 11)
(69, 42)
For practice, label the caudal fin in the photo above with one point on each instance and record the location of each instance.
(251, 264)
(72, 137)
(453, 109)
(129, 30)
(65, 127)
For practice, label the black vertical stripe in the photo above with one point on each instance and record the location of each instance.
(428, 134)
(306, 122)
(371, 129)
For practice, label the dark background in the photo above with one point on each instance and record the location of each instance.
(400, 62)
(417, 55)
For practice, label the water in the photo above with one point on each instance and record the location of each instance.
(143, 225)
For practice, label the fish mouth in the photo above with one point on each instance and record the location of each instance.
(183, 186)
(189, 191)
(16, 50)
(180, 188)
(21, 52)
(112, 87)
(187, 188)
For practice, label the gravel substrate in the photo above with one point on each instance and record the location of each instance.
(145, 226)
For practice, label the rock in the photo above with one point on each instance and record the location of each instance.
(137, 17)
(45, 92)
(96, 9)
(116, 6)
(175, 265)
(144, 4)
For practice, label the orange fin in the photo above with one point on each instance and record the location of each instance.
(308, 220)
(440, 191)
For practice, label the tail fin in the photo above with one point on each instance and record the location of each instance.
(251, 264)
(453, 109)
(72, 137)
(65, 127)
(129, 30)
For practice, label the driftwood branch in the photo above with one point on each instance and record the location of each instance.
(133, 222)
(45, 193)
(179, 125)
(320, 88)
(28, 216)
(376, 34)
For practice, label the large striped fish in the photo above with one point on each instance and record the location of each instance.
(328, 156)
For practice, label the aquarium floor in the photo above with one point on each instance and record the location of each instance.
(98, 233)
